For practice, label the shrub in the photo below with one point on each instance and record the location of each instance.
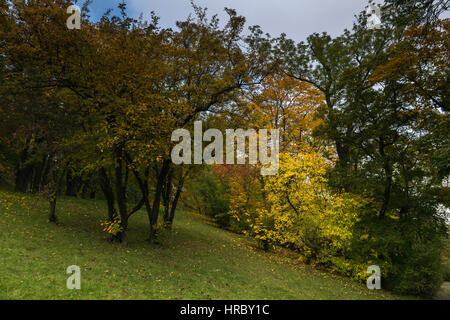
(408, 251)
(419, 273)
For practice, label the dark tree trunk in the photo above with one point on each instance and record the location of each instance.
(167, 193)
(387, 194)
(343, 155)
(157, 199)
(85, 190)
(23, 178)
(52, 212)
(108, 192)
(121, 198)
(73, 184)
(54, 186)
(173, 207)
(388, 182)
(45, 174)
(175, 202)
(24, 172)
(143, 186)
(37, 179)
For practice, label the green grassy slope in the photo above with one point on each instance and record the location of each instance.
(195, 261)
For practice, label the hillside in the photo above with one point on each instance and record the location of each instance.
(195, 261)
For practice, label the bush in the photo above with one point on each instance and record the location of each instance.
(223, 219)
(408, 251)
(419, 273)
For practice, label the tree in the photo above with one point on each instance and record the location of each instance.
(304, 214)
(287, 104)
(37, 112)
(419, 62)
(404, 13)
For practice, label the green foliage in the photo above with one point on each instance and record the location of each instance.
(207, 195)
(419, 273)
(408, 250)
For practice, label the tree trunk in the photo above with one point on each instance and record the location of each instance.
(173, 207)
(167, 193)
(121, 198)
(56, 177)
(157, 200)
(388, 184)
(143, 186)
(85, 190)
(37, 179)
(73, 184)
(52, 212)
(342, 152)
(108, 192)
(387, 195)
(22, 173)
(23, 177)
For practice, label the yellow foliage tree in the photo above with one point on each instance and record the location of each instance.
(289, 105)
(304, 214)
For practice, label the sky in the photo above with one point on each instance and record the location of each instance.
(297, 18)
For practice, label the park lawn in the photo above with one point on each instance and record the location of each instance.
(194, 261)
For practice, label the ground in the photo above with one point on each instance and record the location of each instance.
(195, 261)
(444, 292)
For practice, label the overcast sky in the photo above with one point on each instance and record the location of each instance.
(296, 18)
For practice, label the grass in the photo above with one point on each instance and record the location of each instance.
(194, 261)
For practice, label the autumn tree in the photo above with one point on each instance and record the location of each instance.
(37, 111)
(199, 81)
